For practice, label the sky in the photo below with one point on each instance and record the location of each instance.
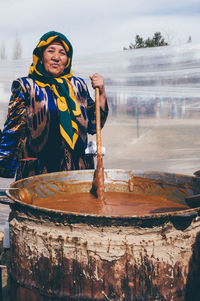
(97, 26)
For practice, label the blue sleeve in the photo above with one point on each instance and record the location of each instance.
(13, 132)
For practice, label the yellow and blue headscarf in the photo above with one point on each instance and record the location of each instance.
(61, 86)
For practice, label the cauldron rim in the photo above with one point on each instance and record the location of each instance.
(187, 213)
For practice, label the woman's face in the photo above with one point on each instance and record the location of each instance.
(54, 59)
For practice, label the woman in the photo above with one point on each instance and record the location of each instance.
(50, 113)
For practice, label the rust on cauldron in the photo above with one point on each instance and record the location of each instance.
(65, 256)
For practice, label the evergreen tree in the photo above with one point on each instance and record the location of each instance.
(139, 42)
(156, 41)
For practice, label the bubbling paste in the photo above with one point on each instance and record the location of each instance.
(114, 204)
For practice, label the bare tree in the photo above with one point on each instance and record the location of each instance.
(170, 37)
(3, 55)
(17, 53)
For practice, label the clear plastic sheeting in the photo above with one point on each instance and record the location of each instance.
(154, 97)
(154, 100)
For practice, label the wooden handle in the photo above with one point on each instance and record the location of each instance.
(100, 169)
(98, 123)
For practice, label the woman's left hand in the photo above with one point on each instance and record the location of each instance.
(97, 81)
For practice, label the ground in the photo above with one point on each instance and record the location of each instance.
(155, 144)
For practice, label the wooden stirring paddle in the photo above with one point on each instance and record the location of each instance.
(98, 181)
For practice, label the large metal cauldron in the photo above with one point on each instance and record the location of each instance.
(65, 256)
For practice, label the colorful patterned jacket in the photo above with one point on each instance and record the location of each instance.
(32, 129)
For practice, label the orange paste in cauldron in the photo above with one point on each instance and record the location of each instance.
(114, 204)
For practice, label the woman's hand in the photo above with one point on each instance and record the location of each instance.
(97, 81)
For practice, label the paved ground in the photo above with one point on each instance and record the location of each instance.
(162, 145)
(4, 209)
